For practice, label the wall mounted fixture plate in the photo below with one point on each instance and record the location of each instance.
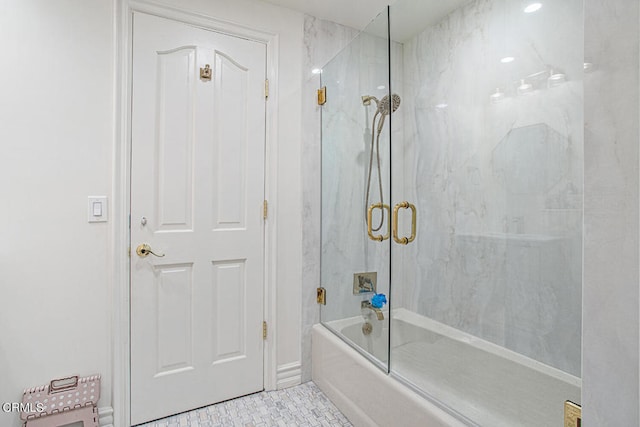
(98, 209)
(364, 283)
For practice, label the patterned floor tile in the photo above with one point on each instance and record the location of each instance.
(301, 406)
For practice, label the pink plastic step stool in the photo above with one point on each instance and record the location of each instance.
(61, 402)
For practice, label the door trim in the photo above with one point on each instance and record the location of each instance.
(119, 233)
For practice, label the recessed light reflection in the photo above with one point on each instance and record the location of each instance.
(532, 7)
(524, 88)
(442, 105)
(497, 96)
(381, 87)
(507, 59)
(316, 70)
(555, 79)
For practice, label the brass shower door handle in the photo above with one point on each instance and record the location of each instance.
(378, 237)
(396, 208)
(143, 250)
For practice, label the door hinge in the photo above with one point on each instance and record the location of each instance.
(266, 89)
(265, 209)
(264, 330)
(321, 296)
(129, 251)
(572, 414)
(322, 95)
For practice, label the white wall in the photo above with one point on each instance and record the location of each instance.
(56, 133)
(57, 139)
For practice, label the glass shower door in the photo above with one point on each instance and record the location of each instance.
(356, 191)
(487, 298)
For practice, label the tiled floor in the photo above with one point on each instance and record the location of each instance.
(301, 406)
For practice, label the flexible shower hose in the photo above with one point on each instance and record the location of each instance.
(377, 144)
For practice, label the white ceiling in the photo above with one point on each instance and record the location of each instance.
(407, 17)
(352, 13)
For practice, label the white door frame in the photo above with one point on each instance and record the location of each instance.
(119, 245)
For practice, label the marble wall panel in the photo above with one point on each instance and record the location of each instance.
(322, 41)
(610, 306)
(346, 129)
(450, 240)
(347, 132)
(498, 185)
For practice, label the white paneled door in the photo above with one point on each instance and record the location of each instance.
(197, 190)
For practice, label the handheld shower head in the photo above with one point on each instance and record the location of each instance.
(385, 106)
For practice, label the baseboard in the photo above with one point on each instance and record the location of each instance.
(105, 416)
(288, 375)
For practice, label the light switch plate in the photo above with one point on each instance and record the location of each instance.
(97, 209)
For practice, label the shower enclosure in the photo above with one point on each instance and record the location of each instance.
(452, 183)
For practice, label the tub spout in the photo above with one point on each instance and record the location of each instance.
(367, 305)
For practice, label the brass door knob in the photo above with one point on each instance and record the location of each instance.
(143, 250)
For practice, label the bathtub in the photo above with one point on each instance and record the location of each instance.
(434, 368)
